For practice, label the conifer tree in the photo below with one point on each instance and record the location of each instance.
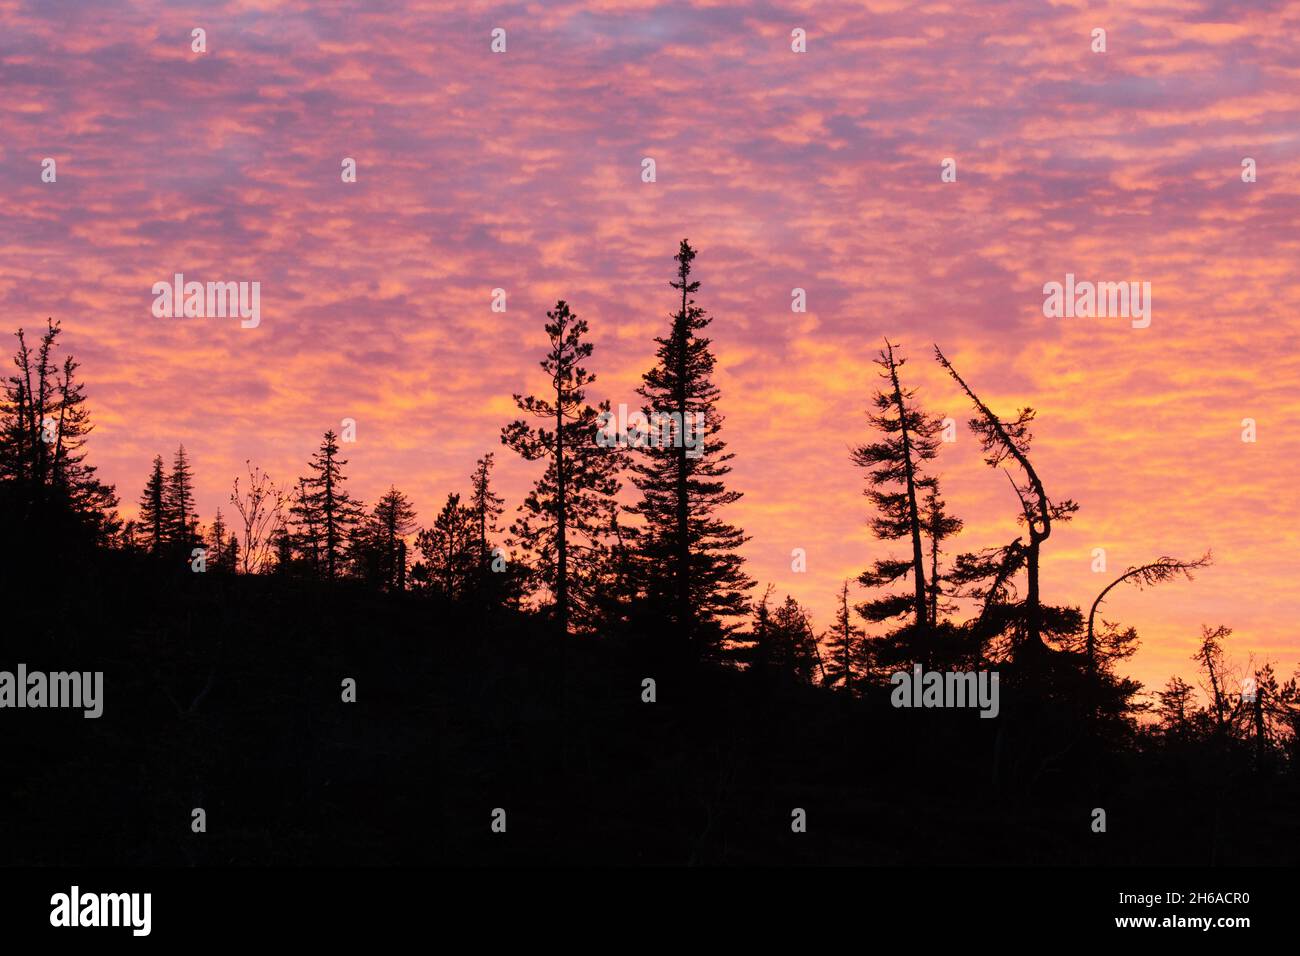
(330, 512)
(694, 573)
(230, 554)
(45, 485)
(895, 462)
(1008, 441)
(217, 546)
(302, 543)
(379, 547)
(153, 508)
(846, 646)
(565, 517)
(939, 526)
(449, 551)
(486, 505)
(783, 644)
(178, 499)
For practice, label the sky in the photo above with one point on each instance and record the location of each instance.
(821, 170)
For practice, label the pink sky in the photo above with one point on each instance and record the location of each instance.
(819, 170)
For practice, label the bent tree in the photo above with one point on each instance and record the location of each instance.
(1004, 441)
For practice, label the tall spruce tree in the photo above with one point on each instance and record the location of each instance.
(895, 463)
(486, 505)
(328, 507)
(299, 546)
(846, 647)
(217, 546)
(694, 571)
(566, 516)
(153, 508)
(178, 499)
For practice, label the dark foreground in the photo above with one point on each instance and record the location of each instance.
(225, 694)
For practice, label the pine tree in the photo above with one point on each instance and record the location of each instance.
(486, 505)
(782, 644)
(301, 545)
(379, 541)
(178, 502)
(281, 543)
(46, 488)
(694, 569)
(89, 499)
(565, 517)
(450, 551)
(939, 526)
(894, 464)
(217, 546)
(230, 554)
(846, 647)
(330, 510)
(153, 508)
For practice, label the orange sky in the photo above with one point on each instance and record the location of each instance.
(819, 170)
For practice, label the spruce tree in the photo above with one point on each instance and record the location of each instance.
(153, 508)
(694, 574)
(909, 439)
(566, 516)
(939, 526)
(217, 545)
(46, 488)
(486, 505)
(331, 511)
(301, 544)
(178, 500)
(379, 542)
(846, 647)
(450, 551)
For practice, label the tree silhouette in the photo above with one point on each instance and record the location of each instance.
(939, 526)
(783, 644)
(486, 505)
(1177, 704)
(894, 465)
(303, 545)
(230, 554)
(1004, 441)
(330, 513)
(565, 517)
(47, 487)
(692, 561)
(846, 646)
(1146, 575)
(1224, 704)
(450, 551)
(153, 508)
(217, 547)
(178, 501)
(261, 513)
(379, 544)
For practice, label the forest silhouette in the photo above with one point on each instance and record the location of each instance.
(595, 659)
